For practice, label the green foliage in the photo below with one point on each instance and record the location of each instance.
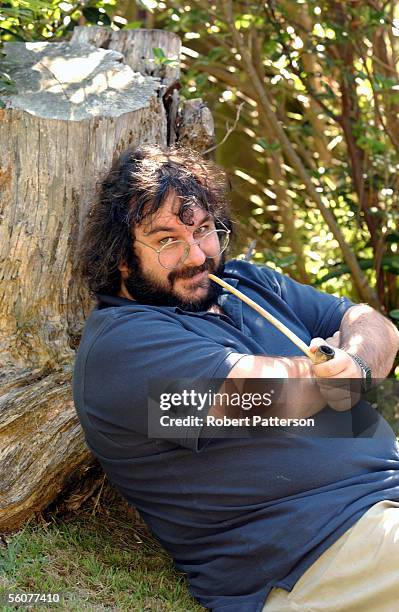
(268, 146)
(160, 58)
(133, 25)
(388, 263)
(31, 20)
(333, 85)
(330, 73)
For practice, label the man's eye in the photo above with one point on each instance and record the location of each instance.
(166, 240)
(204, 229)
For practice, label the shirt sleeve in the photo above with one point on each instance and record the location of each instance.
(135, 349)
(320, 312)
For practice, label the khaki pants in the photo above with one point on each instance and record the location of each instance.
(358, 573)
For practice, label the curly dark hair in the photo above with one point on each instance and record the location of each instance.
(135, 188)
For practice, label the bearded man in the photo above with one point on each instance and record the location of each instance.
(274, 522)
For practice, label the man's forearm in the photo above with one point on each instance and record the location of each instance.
(263, 366)
(300, 398)
(368, 333)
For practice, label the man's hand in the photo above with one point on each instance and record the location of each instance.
(341, 366)
(340, 396)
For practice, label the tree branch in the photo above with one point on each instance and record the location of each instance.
(229, 130)
(365, 290)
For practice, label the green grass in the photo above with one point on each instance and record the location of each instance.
(101, 558)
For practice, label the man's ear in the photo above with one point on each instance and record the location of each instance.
(123, 269)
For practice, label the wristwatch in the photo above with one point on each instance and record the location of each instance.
(366, 371)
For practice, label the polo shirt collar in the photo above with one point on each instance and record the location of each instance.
(231, 305)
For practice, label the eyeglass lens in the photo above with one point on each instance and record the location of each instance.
(212, 244)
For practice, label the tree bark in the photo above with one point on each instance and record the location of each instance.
(77, 107)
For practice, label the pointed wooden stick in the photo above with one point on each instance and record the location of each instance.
(323, 353)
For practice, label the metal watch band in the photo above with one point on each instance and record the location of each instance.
(366, 371)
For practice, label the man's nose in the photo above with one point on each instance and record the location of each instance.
(196, 256)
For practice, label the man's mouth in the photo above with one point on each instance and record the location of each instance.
(196, 274)
(199, 277)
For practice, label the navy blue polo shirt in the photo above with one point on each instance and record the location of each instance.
(239, 516)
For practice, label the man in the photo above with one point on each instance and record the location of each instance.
(257, 521)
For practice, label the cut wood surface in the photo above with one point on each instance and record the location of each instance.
(77, 107)
(137, 47)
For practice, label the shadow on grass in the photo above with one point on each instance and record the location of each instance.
(101, 557)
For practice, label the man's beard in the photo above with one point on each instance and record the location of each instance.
(147, 290)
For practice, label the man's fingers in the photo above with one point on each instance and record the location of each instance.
(339, 397)
(334, 340)
(336, 367)
(341, 366)
(315, 343)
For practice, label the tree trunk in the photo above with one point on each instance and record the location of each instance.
(77, 106)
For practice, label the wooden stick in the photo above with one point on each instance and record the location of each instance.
(316, 357)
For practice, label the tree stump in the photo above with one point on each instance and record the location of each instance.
(190, 122)
(77, 107)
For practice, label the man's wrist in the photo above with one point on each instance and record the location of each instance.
(364, 369)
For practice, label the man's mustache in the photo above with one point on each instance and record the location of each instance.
(208, 265)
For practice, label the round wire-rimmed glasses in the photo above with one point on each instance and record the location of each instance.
(173, 254)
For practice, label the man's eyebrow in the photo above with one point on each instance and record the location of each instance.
(164, 228)
(159, 229)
